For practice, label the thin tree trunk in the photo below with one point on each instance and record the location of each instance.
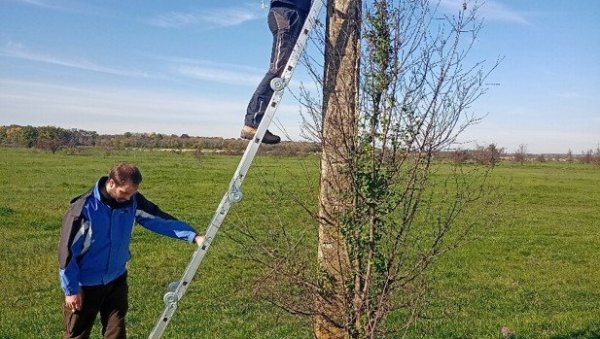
(339, 131)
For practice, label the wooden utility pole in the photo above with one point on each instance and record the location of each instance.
(340, 102)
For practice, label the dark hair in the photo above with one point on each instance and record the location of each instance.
(124, 173)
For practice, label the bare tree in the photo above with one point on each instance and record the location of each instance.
(587, 157)
(384, 214)
(541, 158)
(520, 154)
(569, 156)
(490, 155)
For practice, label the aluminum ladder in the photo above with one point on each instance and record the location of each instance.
(177, 289)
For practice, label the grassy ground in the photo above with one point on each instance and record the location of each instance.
(536, 270)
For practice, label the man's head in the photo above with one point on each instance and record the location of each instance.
(123, 181)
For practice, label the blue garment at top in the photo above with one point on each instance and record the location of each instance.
(302, 5)
(95, 237)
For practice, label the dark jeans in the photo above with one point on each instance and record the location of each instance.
(285, 24)
(110, 300)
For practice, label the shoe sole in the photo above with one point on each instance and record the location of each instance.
(264, 141)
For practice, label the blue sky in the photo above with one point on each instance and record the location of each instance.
(191, 66)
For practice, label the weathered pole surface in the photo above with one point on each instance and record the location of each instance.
(340, 105)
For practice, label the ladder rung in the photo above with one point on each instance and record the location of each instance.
(237, 178)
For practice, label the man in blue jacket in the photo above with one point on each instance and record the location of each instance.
(94, 250)
(286, 18)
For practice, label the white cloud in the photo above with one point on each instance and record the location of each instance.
(17, 51)
(226, 73)
(224, 76)
(213, 18)
(207, 63)
(118, 110)
(571, 95)
(491, 10)
(37, 3)
(494, 10)
(69, 6)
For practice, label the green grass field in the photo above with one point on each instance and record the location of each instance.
(536, 270)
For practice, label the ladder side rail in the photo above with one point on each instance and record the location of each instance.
(172, 297)
(233, 194)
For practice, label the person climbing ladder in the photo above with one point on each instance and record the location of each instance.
(286, 18)
(276, 84)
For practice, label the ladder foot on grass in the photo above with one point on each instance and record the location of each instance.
(177, 289)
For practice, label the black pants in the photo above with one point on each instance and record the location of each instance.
(110, 300)
(285, 24)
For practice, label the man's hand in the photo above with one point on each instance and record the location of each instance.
(199, 239)
(73, 302)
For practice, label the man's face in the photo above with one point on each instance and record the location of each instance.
(121, 193)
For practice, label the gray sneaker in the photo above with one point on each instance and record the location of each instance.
(249, 132)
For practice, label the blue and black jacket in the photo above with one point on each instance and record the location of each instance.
(95, 236)
(302, 5)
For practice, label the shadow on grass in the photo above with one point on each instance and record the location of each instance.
(5, 211)
(586, 333)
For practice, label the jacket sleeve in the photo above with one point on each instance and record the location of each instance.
(72, 237)
(153, 218)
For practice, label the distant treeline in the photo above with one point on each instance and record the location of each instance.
(55, 138)
(52, 139)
